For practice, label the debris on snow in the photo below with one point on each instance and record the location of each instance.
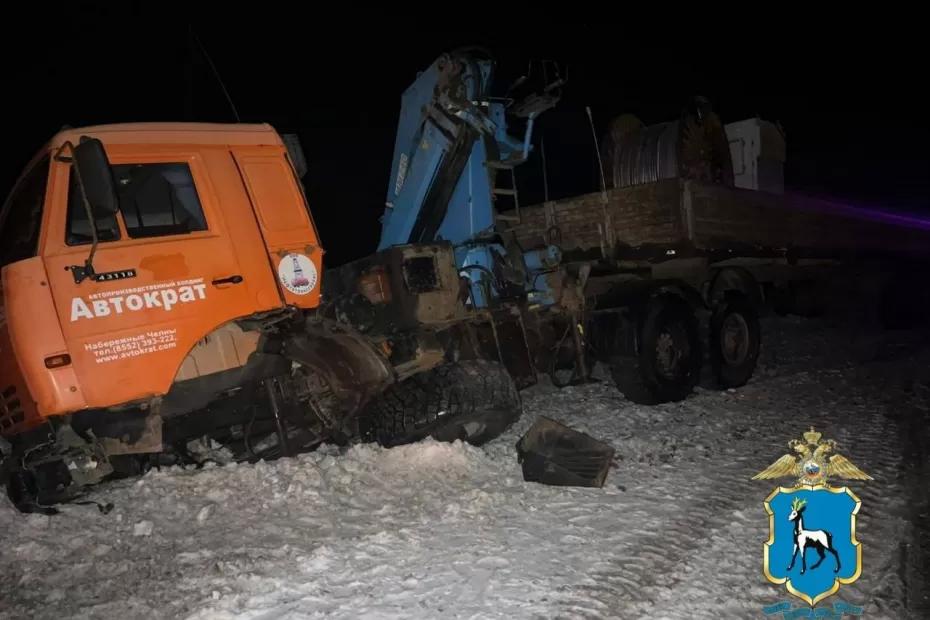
(552, 453)
(205, 513)
(143, 528)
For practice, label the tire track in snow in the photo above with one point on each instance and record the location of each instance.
(869, 446)
(635, 586)
(620, 589)
(915, 552)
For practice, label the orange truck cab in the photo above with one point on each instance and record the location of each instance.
(150, 271)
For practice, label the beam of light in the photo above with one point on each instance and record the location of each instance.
(806, 203)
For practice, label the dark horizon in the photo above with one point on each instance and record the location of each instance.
(855, 126)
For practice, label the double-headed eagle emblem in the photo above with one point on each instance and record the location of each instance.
(812, 465)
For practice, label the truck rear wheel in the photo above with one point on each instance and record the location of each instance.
(667, 364)
(472, 400)
(734, 341)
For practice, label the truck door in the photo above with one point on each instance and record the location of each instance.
(168, 269)
(290, 236)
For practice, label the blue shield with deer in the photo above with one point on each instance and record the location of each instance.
(812, 546)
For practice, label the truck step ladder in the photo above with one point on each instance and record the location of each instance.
(509, 211)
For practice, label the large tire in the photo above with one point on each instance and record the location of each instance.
(668, 359)
(472, 400)
(734, 342)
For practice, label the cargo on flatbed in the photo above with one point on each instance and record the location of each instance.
(690, 217)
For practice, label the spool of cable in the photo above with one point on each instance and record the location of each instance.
(693, 147)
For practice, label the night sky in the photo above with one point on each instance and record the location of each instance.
(854, 110)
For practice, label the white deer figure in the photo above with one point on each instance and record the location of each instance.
(821, 540)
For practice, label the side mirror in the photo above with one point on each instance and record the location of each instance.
(96, 177)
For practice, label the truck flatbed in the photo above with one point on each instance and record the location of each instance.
(680, 216)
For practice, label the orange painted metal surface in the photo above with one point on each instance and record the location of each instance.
(35, 334)
(286, 225)
(128, 337)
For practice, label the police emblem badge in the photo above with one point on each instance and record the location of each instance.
(812, 546)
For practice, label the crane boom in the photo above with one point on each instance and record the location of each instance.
(452, 142)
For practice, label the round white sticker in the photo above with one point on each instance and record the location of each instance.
(297, 274)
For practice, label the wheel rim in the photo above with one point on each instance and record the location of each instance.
(672, 351)
(734, 339)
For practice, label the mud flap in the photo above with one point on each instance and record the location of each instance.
(552, 453)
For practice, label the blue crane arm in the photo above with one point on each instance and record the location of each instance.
(448, 130)
(451, 143)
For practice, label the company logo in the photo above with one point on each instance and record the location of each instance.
(165, 296)
(297, 274)
(812, 546)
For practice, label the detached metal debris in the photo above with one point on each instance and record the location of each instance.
(552, 453)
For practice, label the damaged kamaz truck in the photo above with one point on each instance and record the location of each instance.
(159, 299)
(660, 274)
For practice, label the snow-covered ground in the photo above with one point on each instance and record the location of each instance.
(452, 531)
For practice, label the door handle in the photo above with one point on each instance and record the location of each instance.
(229, 280)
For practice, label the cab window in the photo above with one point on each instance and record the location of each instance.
(154, 199)
(21, 216)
